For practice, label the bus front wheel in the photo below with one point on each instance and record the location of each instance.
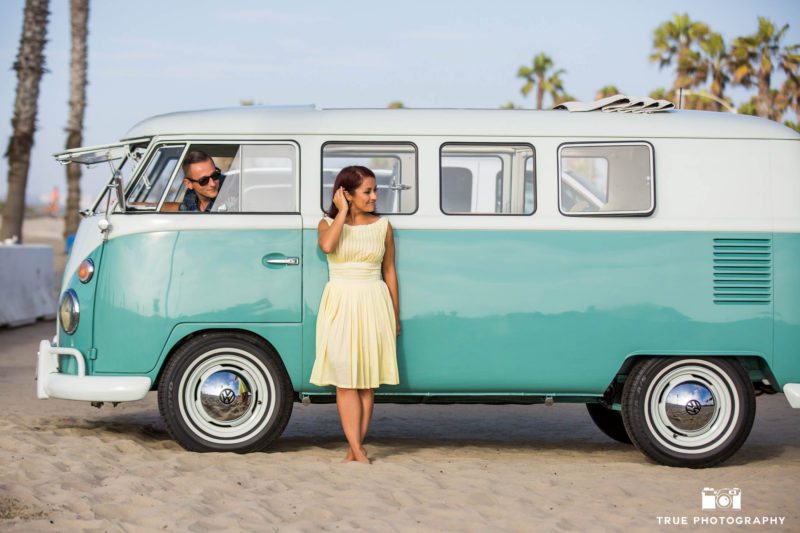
(225, 391)
(689, 412)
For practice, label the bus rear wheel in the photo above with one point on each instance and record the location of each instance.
(689, 412)
(225, 392)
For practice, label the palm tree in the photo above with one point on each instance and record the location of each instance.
(539, 76)
(715, 58)
(79, 18)
(554, 87)
(748, 108)
(711, 62)
(29, 67)
(790, 92)
(674, 41)
(562, 97)
(753, 61)
(662, 94)
(606, 91)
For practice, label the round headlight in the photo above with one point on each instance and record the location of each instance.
(86, 270)
(69, 311)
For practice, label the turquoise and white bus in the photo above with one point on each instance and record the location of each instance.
(642, 264)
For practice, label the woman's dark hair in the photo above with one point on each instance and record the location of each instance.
(350, 178)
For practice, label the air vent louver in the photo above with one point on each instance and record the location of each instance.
(742, 271)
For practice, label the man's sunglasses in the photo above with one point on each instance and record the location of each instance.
(204, 180)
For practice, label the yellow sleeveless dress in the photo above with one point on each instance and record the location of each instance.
(356, 323)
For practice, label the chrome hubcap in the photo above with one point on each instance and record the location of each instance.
(225, 396)
(690, 406)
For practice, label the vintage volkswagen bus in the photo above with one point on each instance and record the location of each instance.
(642, 264)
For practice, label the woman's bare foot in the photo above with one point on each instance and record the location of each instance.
(361, 457)
(352, 457)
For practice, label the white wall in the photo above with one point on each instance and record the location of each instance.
(26, 284)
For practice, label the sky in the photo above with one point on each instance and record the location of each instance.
(152, 57)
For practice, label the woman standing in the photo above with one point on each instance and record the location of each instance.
(359, 315)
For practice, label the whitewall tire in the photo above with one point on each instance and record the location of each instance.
(690, 412)
(225, 391)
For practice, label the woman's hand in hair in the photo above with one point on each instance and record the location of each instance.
(329, 233)
(340, 201)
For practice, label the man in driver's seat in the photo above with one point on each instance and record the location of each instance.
(203, 180)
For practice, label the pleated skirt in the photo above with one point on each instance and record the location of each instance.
(356, 335)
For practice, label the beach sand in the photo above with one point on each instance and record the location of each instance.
(67, 466)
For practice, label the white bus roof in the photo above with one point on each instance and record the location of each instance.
(442, 122)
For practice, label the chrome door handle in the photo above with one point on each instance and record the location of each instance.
(286, 261)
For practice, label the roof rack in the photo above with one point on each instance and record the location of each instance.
(619, 103)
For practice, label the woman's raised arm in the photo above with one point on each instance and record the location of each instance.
(329, 233)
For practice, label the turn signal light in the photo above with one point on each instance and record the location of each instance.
(86, 270)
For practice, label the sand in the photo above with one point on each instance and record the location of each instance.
(67, 466)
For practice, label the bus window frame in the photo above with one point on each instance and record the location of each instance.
(638, 214)
(411, 144)
(490, 144)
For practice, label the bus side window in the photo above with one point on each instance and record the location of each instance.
(394, 165)
(269, 178)
(224, 157)
(257, 178)
(606, 179)
(487, 179)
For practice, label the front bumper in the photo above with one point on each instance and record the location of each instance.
(50, 383)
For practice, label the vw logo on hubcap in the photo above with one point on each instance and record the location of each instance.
(693, 407)
(227, 396)
(690, 406)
